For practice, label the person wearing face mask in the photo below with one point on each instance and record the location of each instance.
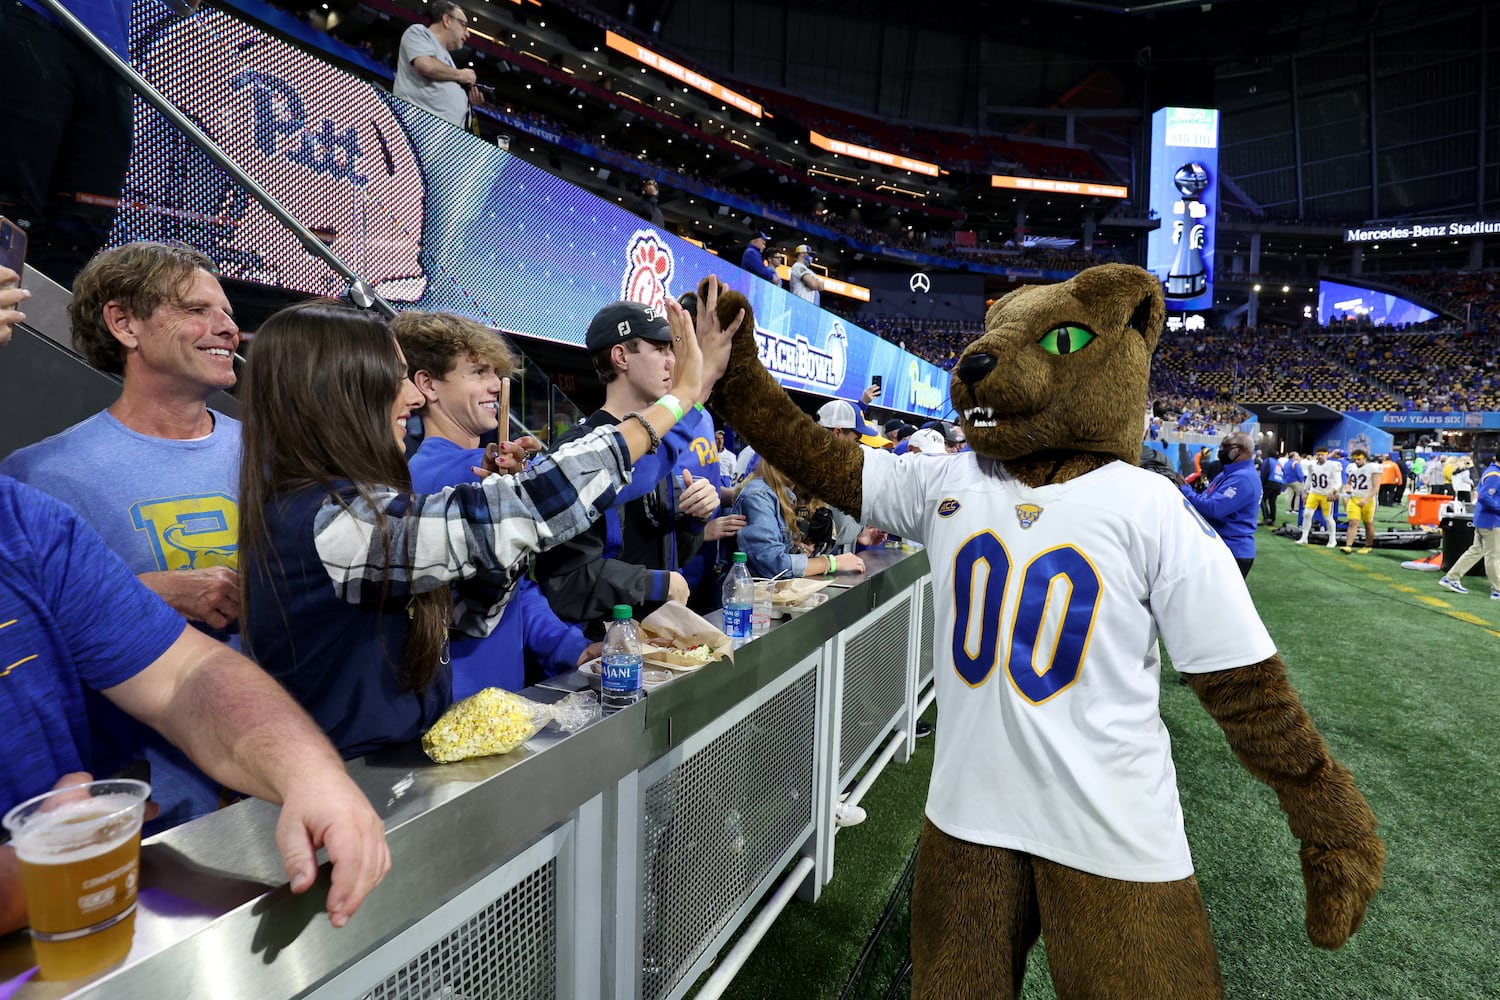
(1232, 500)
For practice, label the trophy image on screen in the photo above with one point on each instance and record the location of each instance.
(1188, 277)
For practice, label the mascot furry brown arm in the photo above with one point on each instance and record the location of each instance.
(1057, 564)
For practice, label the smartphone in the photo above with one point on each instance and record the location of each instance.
(12, 245)
(876, 380)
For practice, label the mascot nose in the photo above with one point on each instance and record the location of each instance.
(975, 367)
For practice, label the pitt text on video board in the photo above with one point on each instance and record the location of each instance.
(1185, 196)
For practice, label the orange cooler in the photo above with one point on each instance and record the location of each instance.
(1422, 508)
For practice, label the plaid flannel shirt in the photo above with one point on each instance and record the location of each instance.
(478, 535)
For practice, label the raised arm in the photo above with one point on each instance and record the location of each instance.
(763, 414)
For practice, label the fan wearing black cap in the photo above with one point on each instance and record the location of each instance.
(633, 553)
(806, 283)
(754, 259)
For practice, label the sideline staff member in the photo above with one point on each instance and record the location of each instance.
(1231, 503)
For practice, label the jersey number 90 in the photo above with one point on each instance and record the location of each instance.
(1041, 661)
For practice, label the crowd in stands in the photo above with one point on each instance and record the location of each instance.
(938, 340)
(1440, 368)
(1269, 363)
(1471, 296)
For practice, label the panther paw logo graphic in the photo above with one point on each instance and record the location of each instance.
(649, 267)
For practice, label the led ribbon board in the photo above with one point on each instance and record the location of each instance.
(1085, 189)
(681, 73)
(873, 155)
(434, 217)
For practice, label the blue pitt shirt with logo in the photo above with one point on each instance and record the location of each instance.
(72, 618)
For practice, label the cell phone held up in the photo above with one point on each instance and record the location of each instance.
(12, 245)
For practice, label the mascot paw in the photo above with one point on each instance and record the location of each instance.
(1340, 881)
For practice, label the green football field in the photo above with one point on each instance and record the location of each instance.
(1403, 679)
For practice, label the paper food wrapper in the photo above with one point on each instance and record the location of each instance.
(796, 591)
(674, 623)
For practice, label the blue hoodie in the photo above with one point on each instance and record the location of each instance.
(1231, 505)
(529, 638)
(1487, 498)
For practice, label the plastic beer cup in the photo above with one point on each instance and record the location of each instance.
(80, 849)
(760, 610)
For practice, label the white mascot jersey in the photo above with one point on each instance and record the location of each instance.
(1049, 603)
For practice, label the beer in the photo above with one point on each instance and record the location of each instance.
(79, 855)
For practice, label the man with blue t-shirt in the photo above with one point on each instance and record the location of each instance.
(74, 621)
(157, 473)
(1232, 500)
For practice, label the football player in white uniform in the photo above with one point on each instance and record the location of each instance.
(1362, 485)
(1325, 478)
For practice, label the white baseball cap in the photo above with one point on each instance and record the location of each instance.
(927, 442)
(840, 414)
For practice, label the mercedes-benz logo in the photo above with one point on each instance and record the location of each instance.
(1286, 409)
(920, 282)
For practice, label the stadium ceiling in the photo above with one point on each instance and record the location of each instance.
(1159, 33)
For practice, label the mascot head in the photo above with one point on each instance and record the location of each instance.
(1062, 367)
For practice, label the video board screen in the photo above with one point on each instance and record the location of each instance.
(1185, 197)
(1338, 302)
(432, 216)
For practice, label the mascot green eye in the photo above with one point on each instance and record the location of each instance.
(1065, 340)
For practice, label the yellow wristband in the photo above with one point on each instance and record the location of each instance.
(833, 565)
(672, 403)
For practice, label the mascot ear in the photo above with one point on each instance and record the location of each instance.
(1140, 320)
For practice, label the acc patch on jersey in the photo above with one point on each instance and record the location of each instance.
(948, 507)
(1027, 514)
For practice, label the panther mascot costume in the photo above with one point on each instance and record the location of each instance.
(1057, 564)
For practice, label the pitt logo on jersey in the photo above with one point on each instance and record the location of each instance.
(948, 507)
(704, 451)
(1027, 514)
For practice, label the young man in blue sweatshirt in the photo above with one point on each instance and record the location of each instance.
(1231, 503)
(458, 365)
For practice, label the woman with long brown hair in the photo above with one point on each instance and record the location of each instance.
(770, 535)
(351, 581)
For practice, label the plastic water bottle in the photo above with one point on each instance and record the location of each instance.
(620, 668)
(739, 600)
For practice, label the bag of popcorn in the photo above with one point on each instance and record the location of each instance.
(496, 721)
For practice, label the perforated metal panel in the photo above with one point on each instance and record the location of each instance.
(716, 825)
(874, 684)
(507, 951)
(924, 654)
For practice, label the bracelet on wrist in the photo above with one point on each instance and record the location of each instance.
(672, 403)
(833, 564)
(650, 431)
